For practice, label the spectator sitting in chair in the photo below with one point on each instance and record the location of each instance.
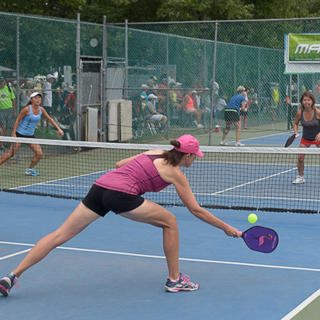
(161, 92)
(152, 83)
(174, 103)
(154, 116)
(144, 91)
(191, 108)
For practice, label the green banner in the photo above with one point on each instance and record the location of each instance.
(304, 47)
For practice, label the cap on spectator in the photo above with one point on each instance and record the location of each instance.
(194, 91)
(144, 86)
(34, 94)
(152, 96)
(215, 85)
(49, 76)
(172, 83)
(241, 89)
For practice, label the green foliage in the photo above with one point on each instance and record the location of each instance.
(283, 9)
(204, 10)
(164, 10)
(56, 8)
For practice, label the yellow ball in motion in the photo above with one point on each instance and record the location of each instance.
(252, 218)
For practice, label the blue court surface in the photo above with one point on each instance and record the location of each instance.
(273, 139)
(257, 185)
(115, 268)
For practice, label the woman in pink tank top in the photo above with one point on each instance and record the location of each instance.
(120, 191)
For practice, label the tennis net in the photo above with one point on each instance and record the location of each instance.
(227, 177)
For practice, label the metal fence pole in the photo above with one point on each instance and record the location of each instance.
(214, 61)
(103, 135)
(234, 69)
(78, 107)
(126, 62)
(167, 91)
(18, 65)
(259, 89)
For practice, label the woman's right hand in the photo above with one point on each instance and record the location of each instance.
(233, 232)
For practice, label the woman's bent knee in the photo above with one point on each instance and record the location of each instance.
(171, 222)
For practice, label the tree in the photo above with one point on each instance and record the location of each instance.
(204, 10)
(55, 8)
(165, 10)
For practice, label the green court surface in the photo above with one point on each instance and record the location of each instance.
(309, 309)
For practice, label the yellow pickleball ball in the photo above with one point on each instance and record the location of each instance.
(252, 218)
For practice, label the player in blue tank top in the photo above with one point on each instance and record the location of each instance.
(25, 126)
(232, 115)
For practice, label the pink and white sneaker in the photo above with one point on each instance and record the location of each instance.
(182, 284)
(6, 283)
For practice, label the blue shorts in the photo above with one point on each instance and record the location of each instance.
(101, 201)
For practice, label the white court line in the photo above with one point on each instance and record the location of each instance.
(254, 181)
(254, 197)
(129, 254)
(55, 180)
(45, 184)
(258, 197)
(301, 306)
(14, 254)
(285, 134)
(218, 194)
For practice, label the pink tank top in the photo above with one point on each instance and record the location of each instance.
(136, 177)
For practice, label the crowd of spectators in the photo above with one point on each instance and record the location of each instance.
(172, 104)
(158, 104)
(175, 104)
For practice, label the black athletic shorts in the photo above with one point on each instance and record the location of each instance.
(19, 135)
(231, 116)
(101, 201)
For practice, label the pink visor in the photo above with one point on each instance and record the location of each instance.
(189, 144)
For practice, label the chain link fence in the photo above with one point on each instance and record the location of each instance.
(179, 77)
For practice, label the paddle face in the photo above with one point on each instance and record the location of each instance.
(290, 140)
(261, 239)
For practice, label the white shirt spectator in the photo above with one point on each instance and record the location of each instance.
(47, 94)
(47, 91)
